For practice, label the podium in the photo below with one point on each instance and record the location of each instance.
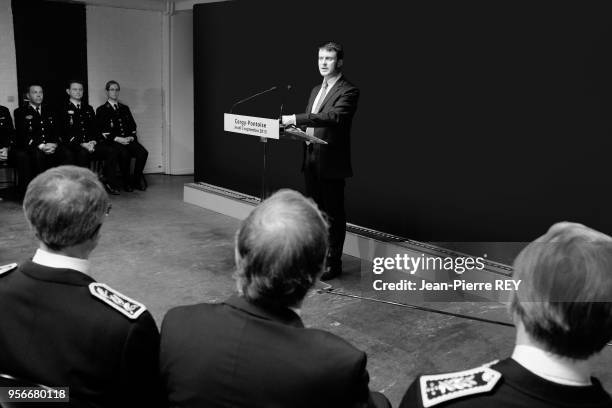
(264, 129)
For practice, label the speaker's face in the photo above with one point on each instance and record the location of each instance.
(328, 63)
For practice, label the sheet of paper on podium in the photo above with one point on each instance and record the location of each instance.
(291, 132)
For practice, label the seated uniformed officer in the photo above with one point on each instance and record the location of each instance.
(7, 132)
(563, 315)
(118, 126)
(82, 137)
(38, 133)
(58, 326)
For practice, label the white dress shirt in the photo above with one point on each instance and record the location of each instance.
(560, 370)
(321, 95)
(36, 108)
(45, 258)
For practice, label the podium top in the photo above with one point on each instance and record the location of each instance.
(293, 133)
(265, 128)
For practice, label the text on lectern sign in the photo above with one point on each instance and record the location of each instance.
(251, 125)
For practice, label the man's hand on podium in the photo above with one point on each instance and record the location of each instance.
(288, 120)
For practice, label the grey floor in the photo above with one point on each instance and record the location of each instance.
(164, 253)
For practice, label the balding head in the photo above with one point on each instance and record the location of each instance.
(280, 249)
(65, 206)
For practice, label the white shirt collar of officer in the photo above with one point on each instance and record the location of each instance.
(113, 103)
(36, 108)
(76, 103)
(551, 367)
(45, 258)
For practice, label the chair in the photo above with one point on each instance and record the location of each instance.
(4, 164)
(97, 166)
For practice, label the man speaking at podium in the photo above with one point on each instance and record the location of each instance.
(328, 116)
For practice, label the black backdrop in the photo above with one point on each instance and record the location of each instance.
(478, 121)
(51, 47)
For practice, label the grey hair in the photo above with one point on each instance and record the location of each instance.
(65, 206)
(280, 249)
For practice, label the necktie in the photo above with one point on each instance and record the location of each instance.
(321, 97)
(78, 106)
(310, 131)
(115, 106)
(38, 110)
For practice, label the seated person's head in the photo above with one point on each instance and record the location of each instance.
(564, 300)
(66, 206)
(280, 250)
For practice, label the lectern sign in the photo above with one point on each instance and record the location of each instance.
(251, 125)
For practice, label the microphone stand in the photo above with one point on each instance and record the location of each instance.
(263, 140)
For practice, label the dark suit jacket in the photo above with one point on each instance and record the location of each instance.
(7, 132)
(34, 129)
(332, 124)
(119, 123)
(53, 331)
(79, 125)
(239, 354)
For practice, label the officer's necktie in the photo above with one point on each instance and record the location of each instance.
(78, 106)
(115, 106)
(38, 110)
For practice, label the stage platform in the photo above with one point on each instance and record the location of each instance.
(367, 244)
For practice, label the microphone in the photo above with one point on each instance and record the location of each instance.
(274, 88)
(286, 89)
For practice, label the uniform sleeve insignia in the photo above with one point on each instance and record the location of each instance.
(7, 268)
(116, 300)
(439, 388)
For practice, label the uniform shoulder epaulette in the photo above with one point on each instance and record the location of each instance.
(5, 269)
(118, 301)
(439, 388)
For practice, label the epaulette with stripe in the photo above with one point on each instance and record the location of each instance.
(439, 388)
(5, 269)
(118, 301)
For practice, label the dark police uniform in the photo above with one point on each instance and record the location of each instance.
(119, 122)
(500, 385)
(7, 131)
(58, 327)
(79, 126)
(33, 129)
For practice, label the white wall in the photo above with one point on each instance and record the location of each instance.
(126, 45)
(181, 94)
(8, 67)
(8, 62)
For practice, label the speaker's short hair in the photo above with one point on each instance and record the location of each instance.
(333, 46)
(280, 249)
(564, 299)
